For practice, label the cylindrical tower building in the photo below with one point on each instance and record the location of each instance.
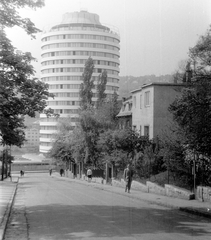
(64, 51)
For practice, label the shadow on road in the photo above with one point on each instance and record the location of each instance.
(75, 222)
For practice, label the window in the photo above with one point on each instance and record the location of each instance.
(146, 130)
(134, 101)
(140, 101)
(146, 99)
(140, 130)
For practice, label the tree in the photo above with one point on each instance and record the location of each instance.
(61, 150)
(200, 56)
(9, 16)
(115, 107)
(183, 73)
(86, 87)
(20, 93)
(192, 110)
(90, 127)
(101, 87)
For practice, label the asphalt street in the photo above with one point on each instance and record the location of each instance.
(53, 209)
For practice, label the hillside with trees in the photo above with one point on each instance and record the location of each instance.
(130, 83)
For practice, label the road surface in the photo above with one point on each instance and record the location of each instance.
(49, 208)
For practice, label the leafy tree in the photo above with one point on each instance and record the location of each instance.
(86, 93)
(20, 93)
(90, 127)
(192, 113)
(61, 150)
(101, 87)
(183, 73)
(9, 16)
(115, 106)
(200, 57)
(192, 110)
(179, 170)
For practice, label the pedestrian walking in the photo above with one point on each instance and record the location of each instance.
(128, 176)
(61, 171)
(89, 174)
(50, 171)
(21, 173)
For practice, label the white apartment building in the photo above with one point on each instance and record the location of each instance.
(64, 51)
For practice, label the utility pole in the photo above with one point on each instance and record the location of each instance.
(2, 169)
(194, 173)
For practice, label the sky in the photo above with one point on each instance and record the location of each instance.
(155, 35)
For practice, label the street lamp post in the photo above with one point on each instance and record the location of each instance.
(194, 173)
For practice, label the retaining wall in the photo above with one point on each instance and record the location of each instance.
(155, 188)
(173, 191)
(203, 193)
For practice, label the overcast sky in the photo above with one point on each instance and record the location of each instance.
(155, 34)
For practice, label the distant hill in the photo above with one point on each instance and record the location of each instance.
(130, 83)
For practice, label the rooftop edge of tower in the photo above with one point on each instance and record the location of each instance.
(81, 17)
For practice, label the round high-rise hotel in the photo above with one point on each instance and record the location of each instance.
(64, 50)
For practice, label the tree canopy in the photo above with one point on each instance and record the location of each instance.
(87, 85)
(20, 93)
(192, 110)
(9, 16)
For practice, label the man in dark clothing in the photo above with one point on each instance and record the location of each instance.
(128, 175)
(61, 171)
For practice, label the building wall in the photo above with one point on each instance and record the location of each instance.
(163, 97)
(64, 50)
(155, 113)
(142, 114)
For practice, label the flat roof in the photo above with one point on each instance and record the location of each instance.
(158, 84)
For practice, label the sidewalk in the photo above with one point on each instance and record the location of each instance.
(7, 194)
(195, 207)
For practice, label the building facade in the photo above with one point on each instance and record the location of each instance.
(150, 115)
(32, 135)
(125, 113)
(64, 50)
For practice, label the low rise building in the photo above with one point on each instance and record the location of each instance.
(150, 114)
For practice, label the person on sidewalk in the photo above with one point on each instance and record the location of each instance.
(89, 174)
(128, 177)
(61, 172)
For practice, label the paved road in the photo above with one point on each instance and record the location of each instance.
(48, 208)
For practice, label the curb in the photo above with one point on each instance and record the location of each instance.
(195, 212)
(190, 210)
(7, 213)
